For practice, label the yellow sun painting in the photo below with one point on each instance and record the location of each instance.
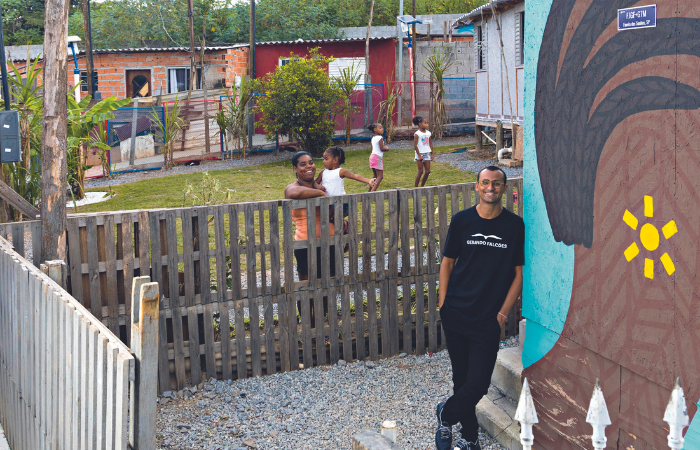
(649, 237)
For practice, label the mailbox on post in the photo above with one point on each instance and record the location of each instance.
(10, 147)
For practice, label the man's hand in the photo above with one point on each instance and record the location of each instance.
(501, 319)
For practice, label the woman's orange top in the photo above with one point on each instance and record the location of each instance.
(299, 218)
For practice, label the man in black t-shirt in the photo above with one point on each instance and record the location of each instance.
(480, 278)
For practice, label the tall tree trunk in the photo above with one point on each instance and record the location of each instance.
(193, 55)
(85, 8)
(54, 149)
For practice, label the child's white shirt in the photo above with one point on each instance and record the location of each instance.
(333, 182)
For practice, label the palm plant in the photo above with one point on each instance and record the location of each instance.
(168, 128)
(437, 65)
(387, 109)
(24, 177)
(347, 81)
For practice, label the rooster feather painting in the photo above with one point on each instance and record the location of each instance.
(612, 211)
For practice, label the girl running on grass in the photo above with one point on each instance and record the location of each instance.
(332, 178)
(376, 159)
(423, 145)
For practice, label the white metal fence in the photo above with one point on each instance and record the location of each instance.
(676, 416)
(64, 377)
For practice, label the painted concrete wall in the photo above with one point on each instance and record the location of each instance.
(494, 102)
(610, 134)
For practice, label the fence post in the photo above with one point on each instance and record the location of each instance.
(527, 416)
(144, 343)
(56, 270)
(676, 416)
(598, 417)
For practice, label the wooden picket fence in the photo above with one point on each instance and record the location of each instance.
(231, 307)
(64, 377)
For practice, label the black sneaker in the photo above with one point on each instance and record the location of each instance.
(463, 444)
(443, 435)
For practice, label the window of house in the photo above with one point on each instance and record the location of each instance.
(480, 47)
(337, 65)
(83, 81)
(179, 79)
(283, 61)
(520, 38)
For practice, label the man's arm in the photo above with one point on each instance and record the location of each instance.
(513, 294)
(446, 268)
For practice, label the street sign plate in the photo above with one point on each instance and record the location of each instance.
(635, 18)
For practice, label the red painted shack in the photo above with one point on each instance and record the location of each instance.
(382, 54)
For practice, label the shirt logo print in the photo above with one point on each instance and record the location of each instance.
(487, 237)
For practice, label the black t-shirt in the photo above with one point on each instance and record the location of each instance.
(487, 252)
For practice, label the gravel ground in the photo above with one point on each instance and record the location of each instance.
(462, 161)
(319, 408)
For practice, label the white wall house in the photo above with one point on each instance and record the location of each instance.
(498, 71)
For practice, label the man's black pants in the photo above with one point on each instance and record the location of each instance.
(473, 353)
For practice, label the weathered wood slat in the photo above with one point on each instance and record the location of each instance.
(432, 313)
(346, 324)
(126, 252)
(254, 314)
(372, 320)
(188, 243)
(241, 369)
(333, 324)
(319, 302)
(358, 299)
(268, 314)
(306, 336)
(173, 290)
(193, 345)
(420, 316)
(293, 330)
(74, 261)
(111, 266)
(221, 283)
(209, 355)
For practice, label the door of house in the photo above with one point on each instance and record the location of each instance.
(138, 83)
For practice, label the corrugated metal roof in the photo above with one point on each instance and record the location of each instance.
(321, 41)
(484, 10)
(437, 26)
(163, 49)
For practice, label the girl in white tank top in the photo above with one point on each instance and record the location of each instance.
(332, 178)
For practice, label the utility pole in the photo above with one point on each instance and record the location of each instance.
(204, 84)
(85, 8)
(368, 80)
(400, 71)
(251, 74)
(193, 56)
(415, 50)
(54, 149)
(6, 99)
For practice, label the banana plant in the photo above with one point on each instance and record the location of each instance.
(82, 121)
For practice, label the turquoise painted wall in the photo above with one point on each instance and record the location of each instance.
(549, 272)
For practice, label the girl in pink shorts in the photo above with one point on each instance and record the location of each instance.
(376, 159)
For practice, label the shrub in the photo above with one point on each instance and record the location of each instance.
(298, 101)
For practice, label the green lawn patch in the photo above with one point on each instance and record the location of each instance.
(267, 182)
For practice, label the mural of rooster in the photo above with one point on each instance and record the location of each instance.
(616, 119)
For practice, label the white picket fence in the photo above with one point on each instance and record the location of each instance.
(676, 416)
(65, 379)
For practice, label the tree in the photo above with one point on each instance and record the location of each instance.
(298, 101)
(23, 21)
(54, 133)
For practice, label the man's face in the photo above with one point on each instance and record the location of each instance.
(490, 186)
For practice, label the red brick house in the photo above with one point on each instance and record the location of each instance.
(142, 72)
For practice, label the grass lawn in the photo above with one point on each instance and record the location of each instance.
(267, 182)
